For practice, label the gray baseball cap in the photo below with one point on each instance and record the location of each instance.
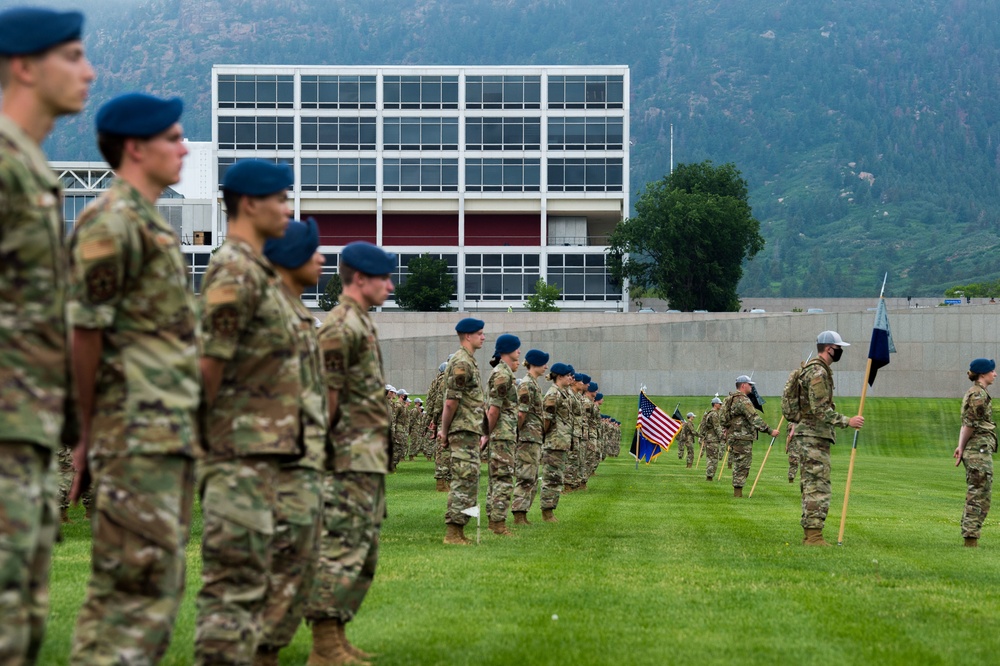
(690, 414)
(831, 338)
(743, 379)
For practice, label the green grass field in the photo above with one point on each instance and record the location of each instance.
(657, 566)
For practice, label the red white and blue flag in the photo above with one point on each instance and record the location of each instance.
(653, 425)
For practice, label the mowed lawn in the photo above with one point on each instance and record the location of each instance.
(657, 566)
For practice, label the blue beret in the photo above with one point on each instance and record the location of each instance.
(581, 377)
(982, 365)
(257, 178)
(536, 357)
(507, 343)
(470, 325)
(560, 369)
(296, 247)
(599, 397)
(572, 370)
(592, 387)
(138, 114)
(30, 30)
(367, 258)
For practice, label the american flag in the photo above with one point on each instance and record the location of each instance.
(654, 424)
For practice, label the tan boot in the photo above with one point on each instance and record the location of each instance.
(813, 537)
(455, 535)
(689, 465)
(443, 486)
(266, 657)
(548, 517)
(328, 646)
(521, 518)
(353, 650)
(499, 527)
(737, 492)
(971, 542)
(582, 486)
(708, 478)
(64, 516)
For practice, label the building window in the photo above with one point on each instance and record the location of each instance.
(197, 264)
(256, 133)
(502, 92)
(73, 205)
(420, 175)
(502, 133)
(256, 91)
(586, 92)
(582, 277)
(338, 133)
(344, 174)
(585, 133)
(338, 92)
(585, 175)
(420, 133)
(501, 175)
(500, 277)
(400, 275)
(420, 92)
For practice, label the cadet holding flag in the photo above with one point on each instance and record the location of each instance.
(712, 432)
(742, 424)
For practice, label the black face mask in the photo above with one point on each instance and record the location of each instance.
(837, 353)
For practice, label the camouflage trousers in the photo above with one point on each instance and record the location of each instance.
(814, 465)
(464, 492)
(29, 525)
(689, 448)
(500, 487)
(66, 474)
(713, 453)
(400, 447)
(442, 463)
(294, 551)
(741, 455)
(140, 523)
(793, 458)
(979, 489)
(237, 502)
(572, 475)
(353, 510)
(529, 457)
(553, 475)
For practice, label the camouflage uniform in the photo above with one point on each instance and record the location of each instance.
(557, 410)
(529, 443)
(741, 431)
(400, 431)
(502, 394)
(253, 425)
(66, 474)
(711, 433)
(793, 459)
(464, 385)
(595, 444)
(299, 494)
(814, 435)
(977, 413)
(435, 403)
(354, 493)
(573, 478)
(34, 386)
(129, 281)
(685, 442)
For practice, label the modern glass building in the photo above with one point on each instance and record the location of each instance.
(509, 174)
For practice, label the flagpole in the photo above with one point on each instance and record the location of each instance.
(700, 451)
(764, 462)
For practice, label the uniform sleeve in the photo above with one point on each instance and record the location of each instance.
(459, 374)
(974, 410)
(821, 402)
(334, 341)
(99, 251)
(500, 386)
(524, 397)
(549, 406)
(229, 301)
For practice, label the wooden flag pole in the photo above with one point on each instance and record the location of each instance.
(766, 454)
(722, 465)
(854, 453)
(700, 451)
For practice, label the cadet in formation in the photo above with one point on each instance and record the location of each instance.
(814, 433)
(574, 466)
(977, 442)
(501, 425)
(354, 493)
(138, 383)
(685, 439)
(742, 422)
(593, 458)
(529, 435)
(44, 74)
(711, 432)
(435, 403)
(253, 388)
(461, 428)
(297, 513)
(557, 427)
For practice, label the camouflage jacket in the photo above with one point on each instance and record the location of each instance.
(502, 394)
(744, 420)
(557, 409)
(314, 402)
(977, 413)
(576, 408)
(34, 355)
(593, 420)
(353, 367)
(435, 398)
(128, 280)
(465, 385)
(819, 415)
(529, 403)
(711, 430)
(685, 435)
(248, 324)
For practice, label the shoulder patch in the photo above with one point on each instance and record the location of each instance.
(225, 321)
(102, 282)
(218, 295)
(99, 248)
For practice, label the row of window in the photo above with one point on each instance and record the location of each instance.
(277, 91)
(400, 133)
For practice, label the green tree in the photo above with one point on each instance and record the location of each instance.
(331, 293)
(428, 287)
(545, 297)
(690, 236)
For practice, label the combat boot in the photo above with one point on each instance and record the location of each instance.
(971, 542)
(266, 657)
(328, 647)
(455, 535)
(708, 478)
(813, 537)
(737, 492)
(64, 516)
(548, 517)
(689, 465)
(443, 486)
(499, 527)
(582, 486)
(521, 518)
(791, 479)
(353, 650)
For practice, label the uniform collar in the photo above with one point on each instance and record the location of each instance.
(245, 248)
(32, 150)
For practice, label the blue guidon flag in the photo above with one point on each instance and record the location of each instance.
(882, 344)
